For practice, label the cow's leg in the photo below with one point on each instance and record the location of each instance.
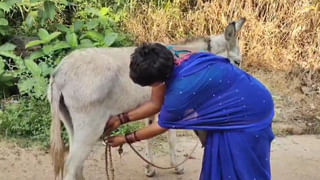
(149, 170)
(88, 128)
(172, 138)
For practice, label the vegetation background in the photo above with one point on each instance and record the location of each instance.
(280, 43)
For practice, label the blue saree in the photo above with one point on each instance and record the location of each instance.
(206, 92)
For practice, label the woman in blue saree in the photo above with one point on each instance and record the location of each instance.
(204, 92)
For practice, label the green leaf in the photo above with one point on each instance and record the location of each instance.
(63, 2)
(35, 55)
(110, 38)
(104, 21)
(104, 11)
(31, 18)
(9, 54)
(94, 11)
(72, 39)
(7, 47)
(35, 1)
(92, 24)
(48, 49)
(50, 9)
(2, 13)
(33, 67)
(86, 43)
(95, 36)
(43, 34)
(61, 45)
(6, 7)
(1, 66)
(42, 15)
(77, 26)
(19, 63)
(62, 28)
(40, 86)
(34, 43)
(25, 85)
(83, 36)
(52, 36)
(13, 2)
(45, 69)
(3, 22)
(6, 30)
(7, 79)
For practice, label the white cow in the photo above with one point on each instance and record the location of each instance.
(90, 85)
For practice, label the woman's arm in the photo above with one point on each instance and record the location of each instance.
(150, 107)
(142, 134)
(145, 110)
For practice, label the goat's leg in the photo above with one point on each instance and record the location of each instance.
(149, 170)
(172, 138)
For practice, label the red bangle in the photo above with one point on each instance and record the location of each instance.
(124, 118)
(131, 138)
(135, 136)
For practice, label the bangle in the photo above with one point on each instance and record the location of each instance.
(124, 118)
(135, 136)
(131, 138)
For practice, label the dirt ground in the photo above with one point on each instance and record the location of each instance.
(292, 158)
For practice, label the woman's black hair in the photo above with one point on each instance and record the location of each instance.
(151, 63)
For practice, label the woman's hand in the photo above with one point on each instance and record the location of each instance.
(144, 133)
(115, 141)
(113, 124)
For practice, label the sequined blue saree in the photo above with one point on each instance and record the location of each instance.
(206, 92)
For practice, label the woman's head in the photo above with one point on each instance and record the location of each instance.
(151, 63)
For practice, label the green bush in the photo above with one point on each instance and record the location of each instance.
(27, 118)
(56, 28)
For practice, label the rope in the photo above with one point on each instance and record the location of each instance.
(108, 156)
(160, 167)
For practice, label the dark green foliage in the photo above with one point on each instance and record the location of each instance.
(27, 118)
(34, 36)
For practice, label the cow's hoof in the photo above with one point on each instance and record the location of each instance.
(149, 171)
(179, 170)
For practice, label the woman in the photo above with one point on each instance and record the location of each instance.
(202, 91)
